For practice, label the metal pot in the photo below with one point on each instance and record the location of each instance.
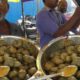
(53, 46)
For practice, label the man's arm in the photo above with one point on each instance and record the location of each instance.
(69, 24)
(75, 27)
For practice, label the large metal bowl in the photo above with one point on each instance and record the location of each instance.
(10, 39)
(52, 47)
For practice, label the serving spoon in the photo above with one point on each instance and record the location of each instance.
(4, 70)
(66, 72)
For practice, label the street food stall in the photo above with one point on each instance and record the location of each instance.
(22, 59)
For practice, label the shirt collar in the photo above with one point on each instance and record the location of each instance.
(48, 9)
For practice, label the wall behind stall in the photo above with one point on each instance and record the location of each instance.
(30, 8)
